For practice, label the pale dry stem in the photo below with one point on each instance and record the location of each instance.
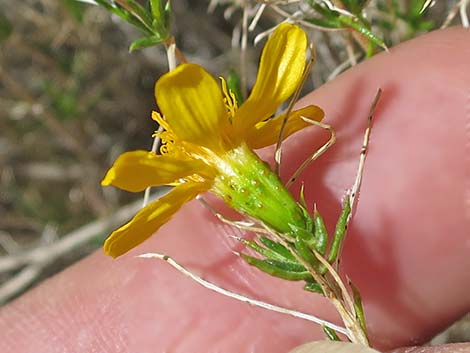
(254, 302)
(459, 7)
(317, 153)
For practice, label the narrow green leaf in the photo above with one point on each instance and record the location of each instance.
(304, 251)
(371, 49)
(302, 196)
(124, 14)
(167, 14)
(354, 23)
(329, 24)
(161, 17)
(140, 11)
(328, 19)
(145, 42)
(322, 9)
(157, 9)
(330, 333)
(321, 234)
(288, 271)
(278, 248)
(358, 307)
(301, 232)
(313, 287)
(268, 253)
(340, 231)
(287, 266)
(309, 224)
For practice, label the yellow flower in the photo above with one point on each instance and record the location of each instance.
(208, 142)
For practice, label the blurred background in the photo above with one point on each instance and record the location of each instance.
(72, 98)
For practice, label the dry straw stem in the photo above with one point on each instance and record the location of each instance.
(332, 347)
(461, 8)
(317, 153)
(240, 297)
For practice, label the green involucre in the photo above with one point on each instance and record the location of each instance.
(248, 185)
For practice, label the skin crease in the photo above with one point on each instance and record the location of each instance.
(407, 248)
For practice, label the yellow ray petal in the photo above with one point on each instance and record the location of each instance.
(266, 133)
(135, 171)
(193, 106)
(280, 72)
(150, 219)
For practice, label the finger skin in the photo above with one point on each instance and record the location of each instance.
(445, 348)
(407, 250)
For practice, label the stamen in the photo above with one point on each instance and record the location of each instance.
(229, 98)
